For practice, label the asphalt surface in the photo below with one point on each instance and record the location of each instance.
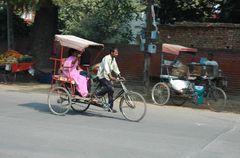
(28, 129)
(233, 102)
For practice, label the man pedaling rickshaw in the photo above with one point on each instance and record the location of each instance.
(104, 74)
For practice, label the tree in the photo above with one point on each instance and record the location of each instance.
(185, 10)
(44, 29)
(193, 10)
(10, 5)
(92, 19)
(167, 11)
(12, 26)
(99, 20)
(230, 11)
(44, 26)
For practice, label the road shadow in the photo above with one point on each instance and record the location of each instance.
(97, 113)
(37, 106)
(91, 112)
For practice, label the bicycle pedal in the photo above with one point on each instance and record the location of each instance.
(106, 106)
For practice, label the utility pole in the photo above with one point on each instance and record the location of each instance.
(10, 44)
(147, 55)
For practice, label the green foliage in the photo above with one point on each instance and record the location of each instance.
(92, 19)
(199, 11)
(184, 10)
(98, 19)
(194, 10)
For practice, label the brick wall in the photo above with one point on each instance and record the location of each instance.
(202, 35)
(131, 63)
(223, 40)
(130, 60)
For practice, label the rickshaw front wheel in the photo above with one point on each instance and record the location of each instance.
(160, 93)
(59, 100)
(133, 106)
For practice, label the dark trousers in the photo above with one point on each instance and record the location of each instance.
(106, 87)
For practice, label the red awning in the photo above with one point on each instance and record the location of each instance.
(176, 49)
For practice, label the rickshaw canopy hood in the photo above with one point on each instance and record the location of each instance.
(176, 49)
(77, 43)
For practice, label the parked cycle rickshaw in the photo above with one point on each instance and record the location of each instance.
(181, 86)
(62, 95)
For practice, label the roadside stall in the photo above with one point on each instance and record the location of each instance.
(12, 62)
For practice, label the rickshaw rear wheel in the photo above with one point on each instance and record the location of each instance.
(160, 93)
(59, 100)
(79, 106)
(216, 99)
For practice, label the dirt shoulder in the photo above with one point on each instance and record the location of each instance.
(26, 87)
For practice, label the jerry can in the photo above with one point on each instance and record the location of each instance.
(200, 94)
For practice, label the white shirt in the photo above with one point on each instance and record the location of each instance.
(107, 65)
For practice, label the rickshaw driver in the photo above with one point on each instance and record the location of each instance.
(107, 66)
(210, 60)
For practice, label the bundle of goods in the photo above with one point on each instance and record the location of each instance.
(179, 69)
(211, 71)
(195, 69)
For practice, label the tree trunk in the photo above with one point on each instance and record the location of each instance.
(45, 26)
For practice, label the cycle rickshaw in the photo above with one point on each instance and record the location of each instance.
(62, 95)
(192, 82)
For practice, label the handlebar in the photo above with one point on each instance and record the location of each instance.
(202, 77)
(121, 79)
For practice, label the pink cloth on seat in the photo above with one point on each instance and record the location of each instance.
(72, 72)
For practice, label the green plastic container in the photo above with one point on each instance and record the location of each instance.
(200, 93)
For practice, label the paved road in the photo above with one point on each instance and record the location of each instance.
(29, 130)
